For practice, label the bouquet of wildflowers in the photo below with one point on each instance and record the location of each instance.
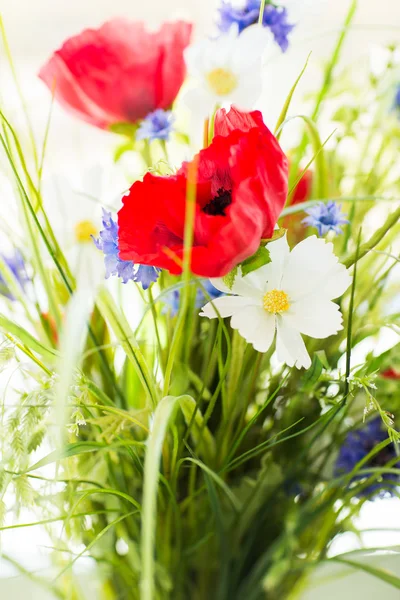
(201, 336)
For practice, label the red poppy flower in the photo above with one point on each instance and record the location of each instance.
(241, 190)
(391, 374)
(303, 189)
(119, 72)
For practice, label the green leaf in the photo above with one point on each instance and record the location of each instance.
(229, 279)
(126, 338)
(94, 541)
(282, 116)
(161, 419)
(259, 259)
(312, 375)
(322, 357)
(27, 339)
(127, 129)
(203, 439)
(277, 235)
(183, 138)
(120, 150)
(381, 574)
(75, 449)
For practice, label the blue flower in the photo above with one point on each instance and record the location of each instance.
(158, 125)
(125, 269)
(357, 445)
(172, 300)
(275, 18)
(326, 217)
(146, 275)
(16, 266)
(397, 99)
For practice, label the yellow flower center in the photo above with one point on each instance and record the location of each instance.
(276, 301)
(83, 231)
(222, 81)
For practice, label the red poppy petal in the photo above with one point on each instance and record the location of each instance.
(226, 122)
(242, 181)
(120, 68)
(59, 79)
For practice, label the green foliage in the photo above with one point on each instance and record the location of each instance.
(259, 259)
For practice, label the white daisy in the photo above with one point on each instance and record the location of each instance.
(227, 70)
(291, 295)
(74, 209)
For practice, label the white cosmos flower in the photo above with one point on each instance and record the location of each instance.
(74, 209)
(291, 295)
(227, 70)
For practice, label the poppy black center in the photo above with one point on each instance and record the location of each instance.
(219, 203)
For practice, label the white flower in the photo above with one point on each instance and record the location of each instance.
(227, 70)
(74, 209)
(291, 295)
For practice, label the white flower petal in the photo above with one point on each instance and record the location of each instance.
(196, 57)
(308, 268)
(316, 317)
(279, 253)
(200, 102)
(336, 282)
(290, 346)
(222, 50)
(241, 287)
(250, 47)
(248, 91)
(218, 283)
(226, 306)
(256, 326)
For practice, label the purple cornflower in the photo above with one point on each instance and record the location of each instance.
(357, 445)
(275, 18)
(125, 269)
(326, 217)
(158, 125)
(172, 300)
(397, 99)
(16, 266)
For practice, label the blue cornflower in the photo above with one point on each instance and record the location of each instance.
(275, 18)
(172, 300)
(146, 275)
(16, 265)
(397, 98)
(158, 125)
(326, 217)
(125, 269)
(356, 447)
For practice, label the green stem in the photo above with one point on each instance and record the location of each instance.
(155, 321)
(262, 9)
(238, 347)
(393, 219)
(187, 255)
(19, 91)
(350, 323)
(328, 77)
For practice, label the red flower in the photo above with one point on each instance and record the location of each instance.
(303, 189)
(241, 190)
(120, 72)
(391, 374)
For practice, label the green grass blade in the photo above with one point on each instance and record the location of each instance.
(379, 573)
(94, 541)
(282, 116)
(161, 419)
